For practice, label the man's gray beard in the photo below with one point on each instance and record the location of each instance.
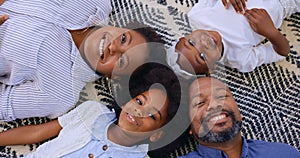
(220, 137)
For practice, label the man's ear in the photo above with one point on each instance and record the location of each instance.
(156, 136)
(191, 132)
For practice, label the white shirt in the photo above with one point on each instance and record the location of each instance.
(241, 43)
(42, 71)
(84, 132)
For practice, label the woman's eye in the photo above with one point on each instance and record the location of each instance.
(152, 116)
(191, 42)
(123, 38)
(138, 101)
(121, 61)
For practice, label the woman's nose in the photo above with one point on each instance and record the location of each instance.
(113, 47)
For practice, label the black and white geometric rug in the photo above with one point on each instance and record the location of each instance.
(269, 97)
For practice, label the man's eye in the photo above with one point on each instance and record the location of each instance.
(121, 61)
(123, 38)
(152, 116)
(191, 42)
(138, 101)
(221, 96)
(198, 104)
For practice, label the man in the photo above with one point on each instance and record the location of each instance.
(216, 124)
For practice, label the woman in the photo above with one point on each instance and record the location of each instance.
(44, 70)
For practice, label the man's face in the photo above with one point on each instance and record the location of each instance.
(201, 48)
(214, 113)
(109, 49)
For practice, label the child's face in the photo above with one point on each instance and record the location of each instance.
(145, 113)
(201, 48)
(105, 49)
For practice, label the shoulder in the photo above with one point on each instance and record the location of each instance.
(92, 107)
(191, 155)
(273, 149)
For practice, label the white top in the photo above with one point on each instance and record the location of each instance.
(241, 43)
(42, 71)
(84, 132)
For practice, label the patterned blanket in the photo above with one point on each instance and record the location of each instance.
(268, 97)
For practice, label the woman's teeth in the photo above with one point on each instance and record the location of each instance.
(101, 46)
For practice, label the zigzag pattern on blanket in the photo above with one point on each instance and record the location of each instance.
(268, 97)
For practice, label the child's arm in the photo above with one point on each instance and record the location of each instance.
(30, 134)
(238, 5)
(261, 22)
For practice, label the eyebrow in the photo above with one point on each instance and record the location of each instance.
(196, 95)
(130, 39)
(127, 59)
(215, 89)
(220, 88)
(153, 106)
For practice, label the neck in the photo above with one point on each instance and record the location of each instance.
(79, 35)
(118, 136)
(232, 148)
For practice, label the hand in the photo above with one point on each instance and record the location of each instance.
(3, 18)
(260, 21)
(238, 5)
(2, 1)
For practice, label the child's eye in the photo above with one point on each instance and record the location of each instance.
(191, 42)
(138, 101)
(123, 38)
(202, 56)
(151, 116)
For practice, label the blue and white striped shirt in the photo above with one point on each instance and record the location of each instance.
(41, 70)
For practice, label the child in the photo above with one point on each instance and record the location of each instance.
(89, 129)
(45, 67)
(231, 38)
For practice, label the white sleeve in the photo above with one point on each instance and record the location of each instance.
(259, 55)
(265, 54)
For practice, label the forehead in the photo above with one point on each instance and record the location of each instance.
(196, 32)
(206, 86)
(157, 98)
(156, 95)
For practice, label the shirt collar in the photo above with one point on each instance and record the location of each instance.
(100, 129)
(204, 151)
(81, 70)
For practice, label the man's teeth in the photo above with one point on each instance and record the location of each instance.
(219, 117)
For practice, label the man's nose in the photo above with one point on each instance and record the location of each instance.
(214, 104)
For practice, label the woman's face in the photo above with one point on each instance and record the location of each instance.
(111, 48)
(145, 113)
(201, 49)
